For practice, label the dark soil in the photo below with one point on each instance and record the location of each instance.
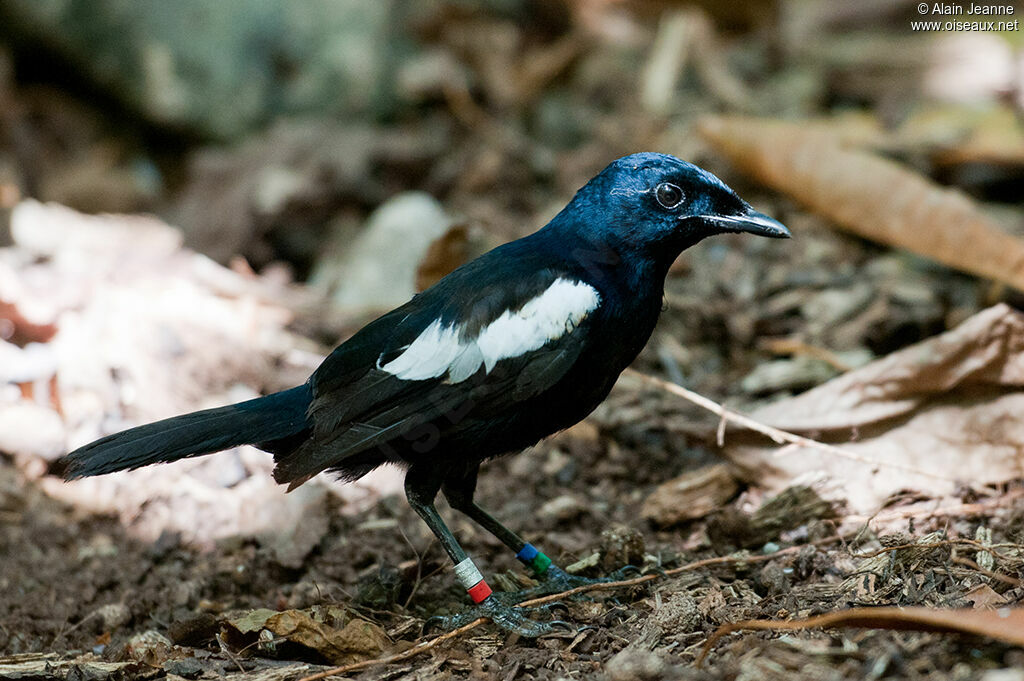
(81, 587)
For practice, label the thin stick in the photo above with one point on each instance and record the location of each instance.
(778, 436)
(945, 542)
(967, 562)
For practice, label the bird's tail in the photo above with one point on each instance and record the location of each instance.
(265, 419)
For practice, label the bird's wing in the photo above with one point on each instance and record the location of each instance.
(455, 351)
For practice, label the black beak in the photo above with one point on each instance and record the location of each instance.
(749, 221)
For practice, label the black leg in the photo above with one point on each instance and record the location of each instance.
(459, 489)
(421, 486)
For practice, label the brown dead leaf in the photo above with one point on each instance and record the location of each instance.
(458, 245)
(148, 330)
(869, 195)
(955, 134)
(152, 648)
(357, 640)
(941, 411)
(252, 621)
(985, 597)
(1005, 624)
(16, 329)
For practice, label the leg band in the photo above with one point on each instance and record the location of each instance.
(480, 592)
(532, 558)
(472, 581)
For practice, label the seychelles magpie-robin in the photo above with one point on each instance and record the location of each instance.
(522, 342)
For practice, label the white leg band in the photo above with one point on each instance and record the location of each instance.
(467, 574)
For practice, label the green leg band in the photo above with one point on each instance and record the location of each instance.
(540, 564)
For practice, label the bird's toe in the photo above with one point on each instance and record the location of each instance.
(624, 572)
(509, 617)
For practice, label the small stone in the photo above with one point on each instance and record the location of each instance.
(1002, 675)
(185, 592)
(378, 268)
(631, 664)
(773, 579)
(621, 545)
(149, 647)
(797, 373)
(676, 615)
(194, 631)
(187, 668)
(32, 430)
(563, 508)
(832, 306)
(113, 615)
(584, 564)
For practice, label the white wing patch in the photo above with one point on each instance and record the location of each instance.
(442, 348)
(429, 356)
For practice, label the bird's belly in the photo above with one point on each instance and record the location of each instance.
(495, 432)
(482, 428)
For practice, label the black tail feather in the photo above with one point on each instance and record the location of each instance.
(264, 419)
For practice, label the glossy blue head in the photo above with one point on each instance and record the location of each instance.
(652, 206)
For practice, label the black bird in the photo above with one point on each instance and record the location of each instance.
(522, 342)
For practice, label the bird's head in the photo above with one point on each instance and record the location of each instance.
(655, 205)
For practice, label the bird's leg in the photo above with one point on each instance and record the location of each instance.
(421, 486)
(459, 490)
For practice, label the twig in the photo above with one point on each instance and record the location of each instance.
(778, 436)
(945, 542)
(967, 562)
(224, 648)
(434, 642)
(689, 567)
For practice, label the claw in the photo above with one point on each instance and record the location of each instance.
(506, 616)
(568, 630)
(625, 572)
(440, 623)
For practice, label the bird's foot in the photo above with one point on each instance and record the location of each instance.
(508, 617)
(556, 579)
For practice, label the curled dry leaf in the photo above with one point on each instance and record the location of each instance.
(330, 632)
(943, 411)
(457, 246)
(1005, 624)
(147, 330)
(868, 195)
(16, 329)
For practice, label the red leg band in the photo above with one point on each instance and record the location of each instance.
(479, 591)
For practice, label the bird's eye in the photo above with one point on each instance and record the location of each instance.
(669, 195)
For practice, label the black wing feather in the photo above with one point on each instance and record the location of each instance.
(356, 407)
